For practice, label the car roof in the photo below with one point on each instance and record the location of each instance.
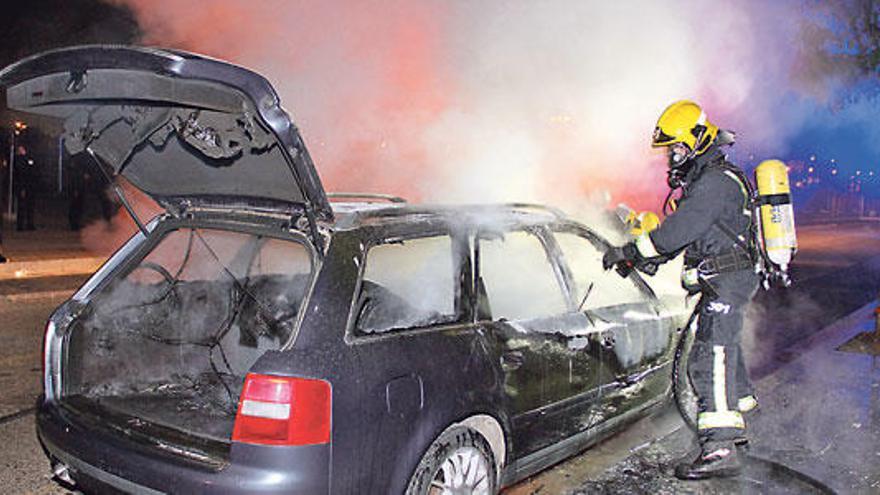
(354, 214)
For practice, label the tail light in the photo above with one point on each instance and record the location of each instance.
(282, 410)
(50, 384)
(50, 328)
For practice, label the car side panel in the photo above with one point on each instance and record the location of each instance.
(572, 378)
(638, 355)
(521, 363)
(392, 397)
(392, 393)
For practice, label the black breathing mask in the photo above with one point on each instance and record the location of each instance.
(675, 178)
(679, 164)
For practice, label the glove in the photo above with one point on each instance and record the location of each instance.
(626, 258)
(612, 257)
(623, 258)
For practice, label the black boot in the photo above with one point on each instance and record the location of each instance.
(2, 259)
(748, 407)
(718, 459)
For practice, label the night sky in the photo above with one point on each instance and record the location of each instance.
(33, 26)
(36, 25)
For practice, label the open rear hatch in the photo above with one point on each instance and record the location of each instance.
(176, 125)
(161, 350)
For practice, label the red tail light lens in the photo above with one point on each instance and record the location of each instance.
(282, 410)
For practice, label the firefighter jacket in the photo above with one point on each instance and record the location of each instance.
(714, 205)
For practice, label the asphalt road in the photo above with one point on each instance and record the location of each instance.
(23, 468)
(834, 260)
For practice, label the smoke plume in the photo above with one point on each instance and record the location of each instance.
(513, 100)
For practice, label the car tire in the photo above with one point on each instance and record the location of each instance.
(459, 461)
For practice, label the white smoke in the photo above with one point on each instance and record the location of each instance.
(488, 101)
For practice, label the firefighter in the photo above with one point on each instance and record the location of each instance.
(712, 224)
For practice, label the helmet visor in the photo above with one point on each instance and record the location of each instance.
(660, 138)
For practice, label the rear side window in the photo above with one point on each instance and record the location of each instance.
(518, 278)
(206, 284)
(606, 287)
(407, 284)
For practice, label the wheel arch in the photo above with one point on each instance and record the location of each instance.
(491, 430)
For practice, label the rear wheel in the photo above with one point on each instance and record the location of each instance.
(460, 461)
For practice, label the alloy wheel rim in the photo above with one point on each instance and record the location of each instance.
(464, 471)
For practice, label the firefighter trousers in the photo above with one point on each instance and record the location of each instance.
(716, 365)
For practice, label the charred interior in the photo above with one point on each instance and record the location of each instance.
(170, 340)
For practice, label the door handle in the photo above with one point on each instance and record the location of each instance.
(608, 341)
(512, 360)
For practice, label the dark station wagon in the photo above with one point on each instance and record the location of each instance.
(256, 338)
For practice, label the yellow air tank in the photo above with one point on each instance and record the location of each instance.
(776, 212)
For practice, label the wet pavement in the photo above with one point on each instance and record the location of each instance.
(817, 431)
(23, 467)
(40, 285)
(822, 410)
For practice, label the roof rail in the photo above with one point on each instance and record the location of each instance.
(556, 212)
(367, 197)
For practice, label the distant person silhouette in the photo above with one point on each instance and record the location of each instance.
(4, 173)
(25, 182)
(86, 180)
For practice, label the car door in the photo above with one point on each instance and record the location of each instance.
(550, 381)
(635, 336)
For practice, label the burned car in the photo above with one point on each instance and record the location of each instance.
(254, 338)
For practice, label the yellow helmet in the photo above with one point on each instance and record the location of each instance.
(684, 122)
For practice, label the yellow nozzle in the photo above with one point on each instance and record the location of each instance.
(642, 223)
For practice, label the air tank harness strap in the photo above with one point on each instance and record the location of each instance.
(774, 199)
(730, 261)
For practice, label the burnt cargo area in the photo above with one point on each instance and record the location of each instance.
(169, 341)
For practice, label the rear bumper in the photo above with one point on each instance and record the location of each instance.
(101, 457)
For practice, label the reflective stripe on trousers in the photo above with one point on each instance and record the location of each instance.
(714, 362)
(721, 416)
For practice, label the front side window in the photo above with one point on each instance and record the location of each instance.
(594, 286)
(407, 284)
(518, 278)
